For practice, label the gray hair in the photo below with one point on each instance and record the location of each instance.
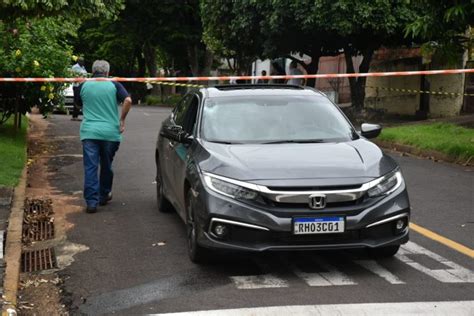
(100, 67)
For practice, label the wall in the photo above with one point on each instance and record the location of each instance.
(393, 102)
(406, 103)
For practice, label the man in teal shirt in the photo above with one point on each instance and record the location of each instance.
(101, 132)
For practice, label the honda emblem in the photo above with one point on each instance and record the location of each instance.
(317, 201)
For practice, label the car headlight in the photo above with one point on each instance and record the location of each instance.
(231, 188)
(386, 184)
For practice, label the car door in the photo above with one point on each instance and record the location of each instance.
(186, 120)
(167, 151)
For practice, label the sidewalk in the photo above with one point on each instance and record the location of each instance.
(6, 196)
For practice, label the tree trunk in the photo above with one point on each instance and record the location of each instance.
(208, 60)
(193, 59)
(149, 53)
(141, 62)
(312, 69)
(150, 59)
(357, 84)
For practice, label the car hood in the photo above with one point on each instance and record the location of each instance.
(355, 161)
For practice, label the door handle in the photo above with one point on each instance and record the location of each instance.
(171, 145)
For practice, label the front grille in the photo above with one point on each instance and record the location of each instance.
(356, 203)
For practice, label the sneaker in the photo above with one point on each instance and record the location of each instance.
(106, 200)
(91, 209)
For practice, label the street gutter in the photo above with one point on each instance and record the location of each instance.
(13, 247)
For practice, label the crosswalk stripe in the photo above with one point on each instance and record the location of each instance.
(458, 308)
(263, 281)
(455, 273)
(379, 270)
(333, 275)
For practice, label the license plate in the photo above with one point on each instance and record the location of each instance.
(318, 225)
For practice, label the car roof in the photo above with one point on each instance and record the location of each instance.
(258, 89)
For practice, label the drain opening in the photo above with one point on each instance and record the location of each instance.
(38, 206)
(38, 260)
(38, 220)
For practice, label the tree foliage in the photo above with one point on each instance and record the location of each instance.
(34, 48)
(34, 42)
(232, 30)
(443, 26)
(249, 28)
(12, 9)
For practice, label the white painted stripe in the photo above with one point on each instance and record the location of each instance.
(264, 281)
(1, 243)
(146, 114)
(379, 270)
(332, 277)
(312, 279)
(261, 281)
(454, 274)
(458, 308)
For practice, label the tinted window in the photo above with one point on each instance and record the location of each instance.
(260, 119)
(181, 109)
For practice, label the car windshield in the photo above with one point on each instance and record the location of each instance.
(273, 119)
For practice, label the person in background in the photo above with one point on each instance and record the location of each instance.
(277, 70)
(264, 73)
(101, 132)
(79, 71)
(294, 70)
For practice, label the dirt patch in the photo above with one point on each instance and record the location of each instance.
(44, 286)
(41, 293)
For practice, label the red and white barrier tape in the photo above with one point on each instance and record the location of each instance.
(227, 78)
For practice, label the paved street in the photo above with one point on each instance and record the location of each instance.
(137, 261)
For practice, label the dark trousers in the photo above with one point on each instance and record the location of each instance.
(75, 108)
(98, 184)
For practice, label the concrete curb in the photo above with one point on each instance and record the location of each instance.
(427, 154)
(13, 248)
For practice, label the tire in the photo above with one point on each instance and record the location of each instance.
(196, 253)
(163, 205)
(383, 252)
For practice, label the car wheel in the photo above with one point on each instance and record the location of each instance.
(383, 252)
(163, 204)
(196, 253)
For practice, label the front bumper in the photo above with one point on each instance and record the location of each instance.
(252, 228)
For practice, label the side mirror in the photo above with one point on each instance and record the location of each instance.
(185, 138)
(370, 130)
(176, 133)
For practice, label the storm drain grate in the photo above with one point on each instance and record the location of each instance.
(38, 220)
(38, 231)
(37, 260)
(38, 206)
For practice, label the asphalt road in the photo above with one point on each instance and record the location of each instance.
(125, 271)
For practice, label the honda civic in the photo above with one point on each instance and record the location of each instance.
(277, 168)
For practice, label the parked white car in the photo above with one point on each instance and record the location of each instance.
(68, 97)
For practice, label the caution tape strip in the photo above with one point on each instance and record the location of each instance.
(453, 94)
(177, 84)
(227, 78)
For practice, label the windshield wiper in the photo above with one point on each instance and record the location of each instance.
(296, 141)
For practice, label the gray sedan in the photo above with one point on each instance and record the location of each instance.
(277, 167)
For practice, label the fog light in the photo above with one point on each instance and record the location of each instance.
(400, 224)
(220, 230)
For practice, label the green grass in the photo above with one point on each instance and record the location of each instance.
(170, 100)
(450, 139)
(12, 152)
